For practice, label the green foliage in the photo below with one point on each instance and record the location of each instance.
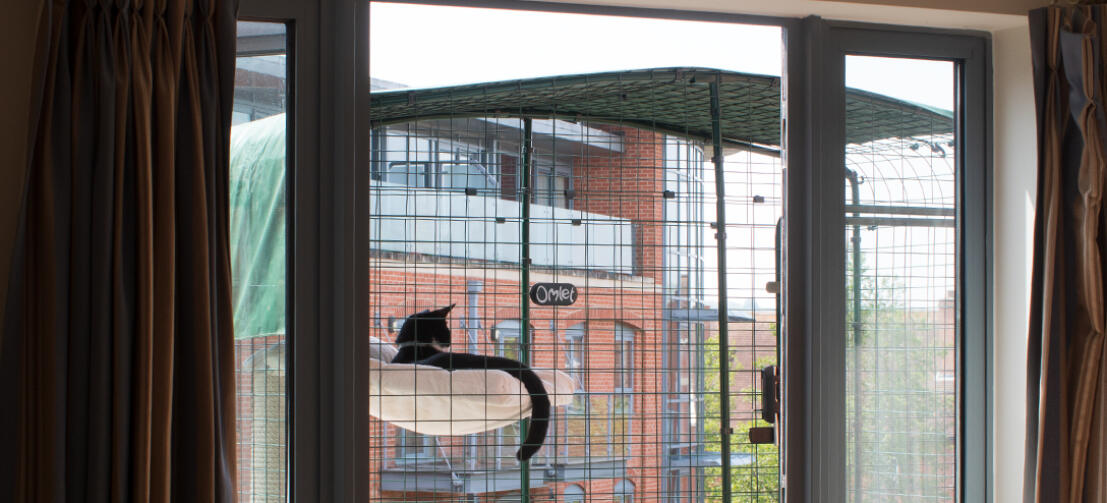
(756, 481)
(900, 419)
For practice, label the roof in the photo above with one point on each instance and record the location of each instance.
(671, 100)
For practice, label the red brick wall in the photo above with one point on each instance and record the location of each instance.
(396, 294)
(629, 185)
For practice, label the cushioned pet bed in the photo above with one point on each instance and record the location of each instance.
(433, 401)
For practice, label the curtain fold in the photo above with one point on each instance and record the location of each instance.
(117, 339)
(1066, 383)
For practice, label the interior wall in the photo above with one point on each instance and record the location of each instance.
(1014, 192)
(976, 14)
(1019, 7)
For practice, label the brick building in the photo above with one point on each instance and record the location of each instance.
(601, 195)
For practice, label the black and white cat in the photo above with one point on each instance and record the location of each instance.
(424, 335)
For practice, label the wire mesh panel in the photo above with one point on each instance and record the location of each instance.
(618, 229)
(902, 377)
(754, 197)
(481, 210)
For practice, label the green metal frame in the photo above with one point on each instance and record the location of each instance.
(670, 100)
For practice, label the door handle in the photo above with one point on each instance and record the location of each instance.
(770, 394)
(770, 407)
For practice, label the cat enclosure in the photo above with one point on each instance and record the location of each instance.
(653, 196)
(624, 229)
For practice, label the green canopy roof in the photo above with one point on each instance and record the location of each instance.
(673, 100)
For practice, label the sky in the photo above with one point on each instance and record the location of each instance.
(431, 46)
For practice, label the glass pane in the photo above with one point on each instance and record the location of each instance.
(409, 175)
(901, 272)
(615, 200)
(258, 219)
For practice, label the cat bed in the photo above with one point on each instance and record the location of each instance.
(434, 401)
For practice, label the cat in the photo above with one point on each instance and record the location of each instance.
(424, 335)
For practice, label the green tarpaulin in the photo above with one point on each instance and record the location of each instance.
(258, 216)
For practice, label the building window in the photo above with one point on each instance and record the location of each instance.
(403, 158)
(624, 370)
(551, 185)
(574, 366)
(459, 176)
(624, 492)
(573, 494)
(411, 446)
(508, 345)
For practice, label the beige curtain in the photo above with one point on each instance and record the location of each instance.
(117, 350)
(1067, 382)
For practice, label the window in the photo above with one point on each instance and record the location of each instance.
(623, 492)
(624, 370)
(413, 157)
(407, 174)
(507, 339)
(438, 167)
(575, 365)
(573, 494)
(551, 185)
(468, 175)
(508, 345)
(412, 446)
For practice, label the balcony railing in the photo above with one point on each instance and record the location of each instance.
(458, 225)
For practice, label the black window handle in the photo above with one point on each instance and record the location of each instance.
(770, 407)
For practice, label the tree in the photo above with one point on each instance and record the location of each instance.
(758, 480)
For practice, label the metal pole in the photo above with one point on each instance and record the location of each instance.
(524, 285)
(855, 242)
(472, 325)
(720, 238)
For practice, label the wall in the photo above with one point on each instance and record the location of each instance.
(992, 6)
(1014, 193)
(976, 14)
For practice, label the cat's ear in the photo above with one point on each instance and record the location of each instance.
(438, 313)
(445, 311)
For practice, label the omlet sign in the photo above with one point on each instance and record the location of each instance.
(553, 294)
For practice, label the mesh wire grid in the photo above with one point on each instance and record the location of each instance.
(625, 210)
(626, 215)
(902, 378)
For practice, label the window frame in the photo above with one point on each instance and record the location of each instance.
(329, 242)
(814, 331)
(327, 124)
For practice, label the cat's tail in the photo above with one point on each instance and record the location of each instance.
(539, 415)
(540, 411)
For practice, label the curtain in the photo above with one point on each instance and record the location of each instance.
(1067, 382)
(117, 351)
